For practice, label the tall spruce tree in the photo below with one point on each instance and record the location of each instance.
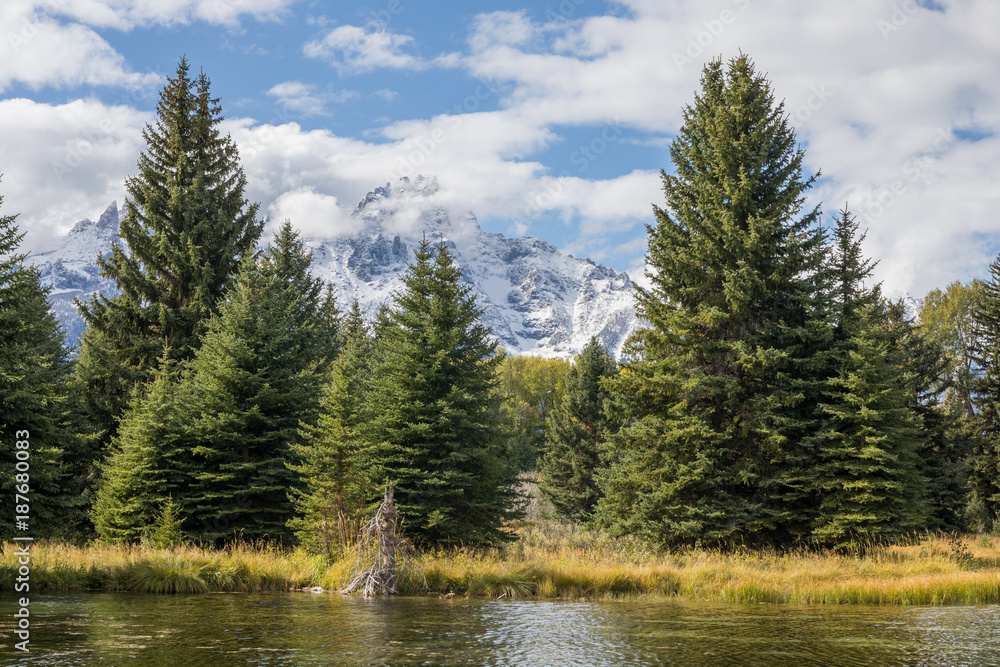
(577, 427)
(186, 228)
(37, 430)
(212, 435)
(434, 410)
(857, 478)
(336, 483)
(867, 476)
(149, 459)
(256, 377)
(945, 440)
(715, 389)
(984, 477)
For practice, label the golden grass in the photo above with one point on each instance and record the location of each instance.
(551, 560)
(144, 569)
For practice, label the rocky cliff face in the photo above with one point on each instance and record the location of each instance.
(537, 300)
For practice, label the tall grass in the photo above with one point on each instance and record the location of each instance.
(551, 560)
(143, 569)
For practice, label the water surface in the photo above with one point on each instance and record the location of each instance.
(325, 629)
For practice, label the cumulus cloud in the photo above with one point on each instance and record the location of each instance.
(313, 213)
(303, 99)
(41, 51)
(63, 163)
(867, 92)
(897, 102)
(354, 50)
(54, 43)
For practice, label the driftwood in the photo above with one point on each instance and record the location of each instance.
(380, 553)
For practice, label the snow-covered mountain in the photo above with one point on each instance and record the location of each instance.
(536, 299)
(70, 268)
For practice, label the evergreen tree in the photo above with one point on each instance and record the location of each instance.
(316, 308)
(254, 379)
(945, 440)
(857, 476)
(149, 460)
(578, 427)
(984, 477)
(185, 230)
(36, 426)
(716, 386)
(867, 477)
(212, 435)
(846, 296)
(335, 477)
(434, 410)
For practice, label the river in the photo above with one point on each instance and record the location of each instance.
(325, 629)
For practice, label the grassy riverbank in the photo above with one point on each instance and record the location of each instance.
(549, 561)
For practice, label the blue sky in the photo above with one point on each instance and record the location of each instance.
(544, 118)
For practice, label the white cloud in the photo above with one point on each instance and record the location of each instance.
(313, 213)
(303, 99)
(126, 14)
(354, 49)
(54, 42)
(63, 163)
(39, 51)
(867, 101)
(870, 105)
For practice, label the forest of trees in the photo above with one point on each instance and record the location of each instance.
(774, 395)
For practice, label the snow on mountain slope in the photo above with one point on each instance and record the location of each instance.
(537, 300)
(70, 268)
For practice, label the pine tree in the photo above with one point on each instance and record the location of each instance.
(577, 428)
(36, 425)
(984, 477)
(857, 477)
(434, 410)
(868, 473)
(945, 440)
(846, 295)
(336, 483)
(254, 379)
(149, 459)
(711, 396)
(212, 435)
(186, 228)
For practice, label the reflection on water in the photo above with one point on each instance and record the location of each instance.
(307, 629)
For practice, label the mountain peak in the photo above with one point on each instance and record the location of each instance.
(108, 220)
(403, 191)
(535, 299)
